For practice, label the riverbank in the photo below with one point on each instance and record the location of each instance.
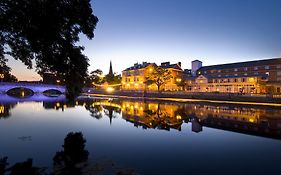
(264, 100)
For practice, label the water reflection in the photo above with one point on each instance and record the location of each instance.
(72, 160)
(263, 121)
(5, 110)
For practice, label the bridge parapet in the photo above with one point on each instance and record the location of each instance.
(35, 87)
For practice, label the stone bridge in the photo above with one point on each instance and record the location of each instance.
(34, 87)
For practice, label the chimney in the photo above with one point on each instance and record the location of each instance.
(179, 63)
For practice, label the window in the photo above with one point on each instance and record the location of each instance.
(256, 73)
(256, 68)
(245, 74)
(235, 80)
(266, 67)
(245, 68)
(279, 73)
(278, 90)
(219, 71)
(219, 75)
(235, 74)
(243, 80)
(278, 66)
(235, 69)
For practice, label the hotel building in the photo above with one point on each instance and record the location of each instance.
(133, 78)
(262, 76)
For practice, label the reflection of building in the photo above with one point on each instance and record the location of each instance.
(5, 110)
(245, 77)
(152, 115)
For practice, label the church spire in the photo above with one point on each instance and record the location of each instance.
(110, 69)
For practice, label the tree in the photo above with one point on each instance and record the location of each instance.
(6, 76)
(159, 77)
(180, 81)
(47, 32)
(95, 77)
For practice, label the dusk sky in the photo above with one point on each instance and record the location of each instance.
(213, 31)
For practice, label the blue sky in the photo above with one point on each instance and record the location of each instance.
(213, 31)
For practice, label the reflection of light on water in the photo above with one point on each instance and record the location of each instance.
(2, 109)
(22, 94)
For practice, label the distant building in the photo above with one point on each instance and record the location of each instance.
(260, 76)
(176, 72)
(133, 78)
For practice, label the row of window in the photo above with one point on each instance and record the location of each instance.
(245, 69)
(135, 79)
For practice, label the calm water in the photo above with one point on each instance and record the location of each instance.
(146, 137)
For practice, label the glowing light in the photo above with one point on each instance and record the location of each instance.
(251, 120)
(251, 80)
(150, 69)
(110, 89)
(58, 81)
(178, 79)
(2, 76)
(57, 104)
(22, 94)
(76, 103)
(178, 117)
(2, 109)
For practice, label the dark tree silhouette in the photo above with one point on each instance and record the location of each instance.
(65, 162)
(47, 32)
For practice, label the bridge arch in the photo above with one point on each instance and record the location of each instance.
(20, 92)
(52, 92)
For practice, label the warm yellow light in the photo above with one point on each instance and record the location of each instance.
(2, 76)
(251, 120)
(136, 106)
(2, 109)
(218, 89)
(150, 70)
(110, 89)
(178, 79)
(141, 108)
(58, 81)
(251, 80)
(178, 117)
(57, 104)
(22, 94)
(76, 103)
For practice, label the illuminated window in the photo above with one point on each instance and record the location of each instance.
(235, 69)
(266, 67)
(219, 71)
